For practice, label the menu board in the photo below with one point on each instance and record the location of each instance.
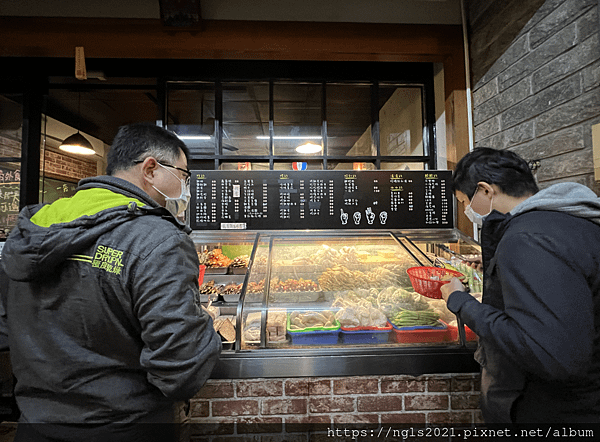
(10, 185)
(290, 200)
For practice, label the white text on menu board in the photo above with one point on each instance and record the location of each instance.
(204, 197)
(399, 196)
(286, 188)
(253, 208)
(435, 213)
(350, 190)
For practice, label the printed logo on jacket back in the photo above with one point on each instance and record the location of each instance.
(105, 258)
(109, 259)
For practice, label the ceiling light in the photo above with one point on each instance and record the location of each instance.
(194, 137)
(291, 137)
(77, 144)
(308, 148)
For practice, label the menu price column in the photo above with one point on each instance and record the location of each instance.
(437, 211)
(206, 201)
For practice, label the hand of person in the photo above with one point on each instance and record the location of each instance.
(453, 286)
(476, 263)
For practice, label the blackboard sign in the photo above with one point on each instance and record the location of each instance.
(276, 200)
(10, 184)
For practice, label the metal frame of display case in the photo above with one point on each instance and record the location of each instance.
(265, 362)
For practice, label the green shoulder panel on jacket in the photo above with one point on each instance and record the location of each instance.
(86, 202)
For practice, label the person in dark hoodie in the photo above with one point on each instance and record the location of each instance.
(104, 331)
(539, 319)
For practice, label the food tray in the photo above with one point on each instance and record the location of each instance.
(317, 337)
(336, 327)
(314, 335)
(409, 335)
(365, 335)
(238, 270)
(216, 270)
(453, 333)
(235, 297)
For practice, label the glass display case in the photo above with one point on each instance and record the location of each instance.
(289, 301)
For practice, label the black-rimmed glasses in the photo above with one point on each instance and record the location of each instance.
(186, 172)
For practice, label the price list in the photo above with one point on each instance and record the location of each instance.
(275, 200)
(437, 209)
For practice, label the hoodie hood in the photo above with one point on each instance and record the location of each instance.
(46, 235)
(570, 198)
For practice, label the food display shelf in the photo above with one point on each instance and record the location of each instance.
(361, 278)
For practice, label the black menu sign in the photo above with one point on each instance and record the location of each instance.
(276, 200)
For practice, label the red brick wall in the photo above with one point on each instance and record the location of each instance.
(386, 400)
(67, 166)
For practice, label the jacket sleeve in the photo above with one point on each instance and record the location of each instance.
(181, 347)
(547, 326)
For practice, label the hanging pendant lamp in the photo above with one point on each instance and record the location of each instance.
(77, 143)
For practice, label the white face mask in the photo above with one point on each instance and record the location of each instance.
(176, 205)
(475, 217)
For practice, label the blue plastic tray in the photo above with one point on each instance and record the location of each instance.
(317, 337)
(365, 336)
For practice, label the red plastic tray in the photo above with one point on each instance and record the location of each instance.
(469, 334)
(421, 335)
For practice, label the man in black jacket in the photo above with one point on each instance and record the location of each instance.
(539, 320)
(103, 327)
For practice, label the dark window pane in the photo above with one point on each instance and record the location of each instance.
(349, 120)
(400, 121)
(297, 119)
(191, 115)
(245, 118)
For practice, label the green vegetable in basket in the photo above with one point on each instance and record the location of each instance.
(409, 318)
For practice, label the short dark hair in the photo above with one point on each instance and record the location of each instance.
(504, 168)
(139, 141)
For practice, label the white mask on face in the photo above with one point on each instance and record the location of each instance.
(475, 217)
(176, 205)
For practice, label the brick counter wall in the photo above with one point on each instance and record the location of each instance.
(231, 408)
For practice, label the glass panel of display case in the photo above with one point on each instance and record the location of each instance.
(348, 110)
(340, 291)
(451, 251)
(400, 120)
(224, 265)
(254, 299)
(297, 119)
(246, 118)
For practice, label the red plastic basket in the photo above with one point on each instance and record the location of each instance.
(420, 278)
(202, 269)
